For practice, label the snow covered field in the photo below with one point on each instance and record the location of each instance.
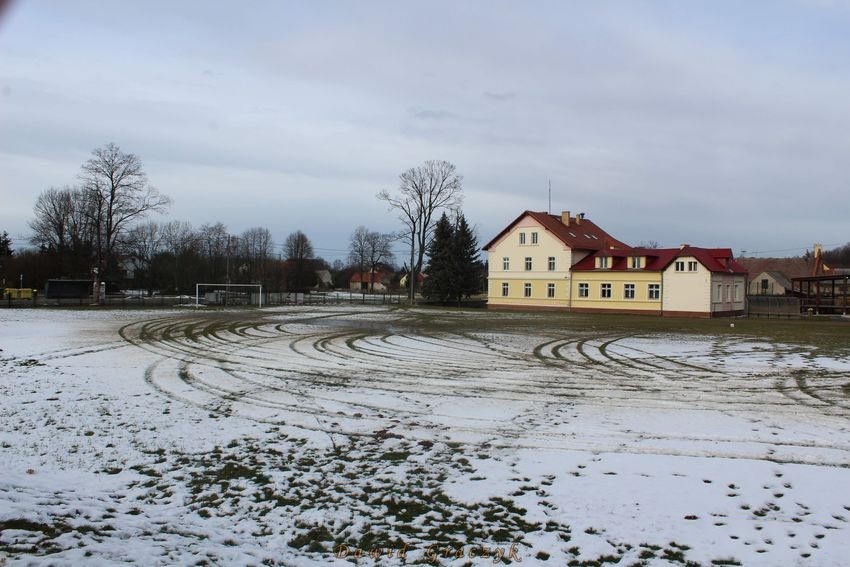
(296, 435)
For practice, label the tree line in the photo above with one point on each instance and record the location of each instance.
(99, 229)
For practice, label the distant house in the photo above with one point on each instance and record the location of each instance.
(323, 279)
(420, 278)
(369, 281)
(770, 283)
(773, 276)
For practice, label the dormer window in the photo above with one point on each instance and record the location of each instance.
(602, 262)
(635, 262)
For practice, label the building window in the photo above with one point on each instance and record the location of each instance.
(522, 238)
(528, 263)
(551, 263)
(534, 238)
(629, 291)
(764, 286)
(718, 292)
(603, 261)
(635, 262)
(583, 290)
(680, 265)
(550, 290)
(506, 263)
(526, 290)
(605, 291)
(505, 289)
(692, 266)
(737, 292)
(727, 293)
(654, 291)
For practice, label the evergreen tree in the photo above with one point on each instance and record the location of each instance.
(440, 275)
(5, 255)
(466, 265)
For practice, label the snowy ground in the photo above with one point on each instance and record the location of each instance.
(290, 435)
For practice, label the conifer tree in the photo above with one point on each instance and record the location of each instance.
(441, 265)
(466, 265)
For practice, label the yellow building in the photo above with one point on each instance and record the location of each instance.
(675, 282)
(530, 260)
(544, 261)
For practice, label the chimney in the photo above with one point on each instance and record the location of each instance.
(683, 246)
(565, 218)
(579, 218)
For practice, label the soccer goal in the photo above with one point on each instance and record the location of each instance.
(225, 294)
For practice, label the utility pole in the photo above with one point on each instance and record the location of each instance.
(549, 210)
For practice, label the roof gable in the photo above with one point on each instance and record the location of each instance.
(581, 235)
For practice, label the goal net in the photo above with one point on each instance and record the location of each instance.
(228, 294)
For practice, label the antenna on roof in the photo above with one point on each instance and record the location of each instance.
(549, 210)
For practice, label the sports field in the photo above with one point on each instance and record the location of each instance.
(309, 435)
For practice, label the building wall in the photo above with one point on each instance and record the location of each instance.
(617, 302)
(687, 291)
(539, 276)
(728, 293)
(773, 287)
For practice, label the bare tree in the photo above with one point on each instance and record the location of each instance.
(297, 246)
(214, 244)
(60, 220)
(119, 192)
(423, 191)
(368, 249)
(649, 244)
(62, 225)
(179, 239)
(299, 252)
(357, 255)
(141, 243)
(256, 247)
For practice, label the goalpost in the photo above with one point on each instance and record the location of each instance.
(226, 287)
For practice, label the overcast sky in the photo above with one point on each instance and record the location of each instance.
(712, 123)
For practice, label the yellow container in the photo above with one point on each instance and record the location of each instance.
(18, 293)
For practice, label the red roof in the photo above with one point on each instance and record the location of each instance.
(789, 267)
(581, 234)
(718, 260)
(369, 277)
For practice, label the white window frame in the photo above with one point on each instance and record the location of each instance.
(528, 263)
(653, 291)
(629, 291)
(506, 263)
(680, 265)
(692, 265)
(550, 290)
(506, 289)
(522, 238)
(551, 263)
(534, 238)
(603, 261)
(526, 289)
(605, 291)
(584, 289)
(635, 262)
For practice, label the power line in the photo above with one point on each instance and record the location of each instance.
(788, 249)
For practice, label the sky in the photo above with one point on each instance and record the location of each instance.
(715, 123)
